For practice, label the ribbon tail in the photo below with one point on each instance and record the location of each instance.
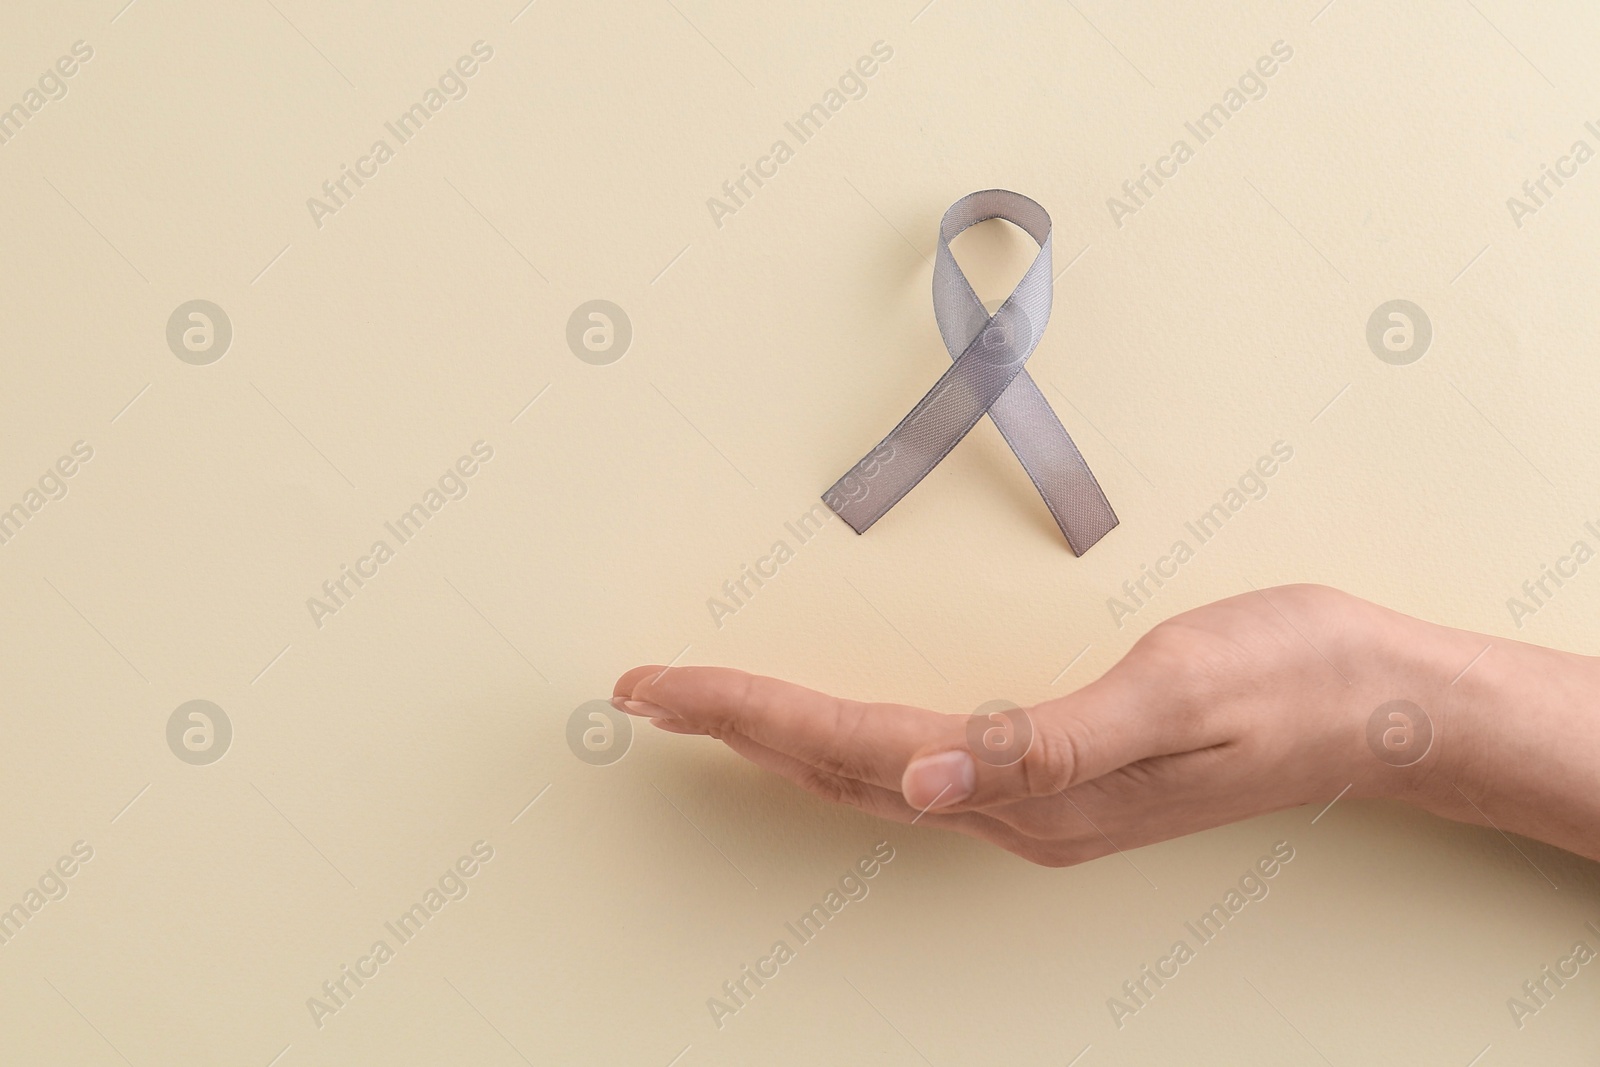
(1054, 464)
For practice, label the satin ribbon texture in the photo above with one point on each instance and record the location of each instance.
(986, 376)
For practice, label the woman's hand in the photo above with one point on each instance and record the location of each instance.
(1246, 706)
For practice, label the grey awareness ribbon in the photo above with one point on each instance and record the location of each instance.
(986, 376)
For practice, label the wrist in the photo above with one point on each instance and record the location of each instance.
(1415, 671)
(1515, 729)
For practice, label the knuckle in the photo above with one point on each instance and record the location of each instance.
(828, 786)
(1188, 672)
(1171, 654)
(1052, 758)
(844, 754)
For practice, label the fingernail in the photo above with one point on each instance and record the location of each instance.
(939, 781)
(673, 726)
(643, 707)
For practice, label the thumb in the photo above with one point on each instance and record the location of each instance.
(1016, 753)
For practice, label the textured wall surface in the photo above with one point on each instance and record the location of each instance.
(305, 417)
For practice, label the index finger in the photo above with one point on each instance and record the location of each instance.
(868, 742)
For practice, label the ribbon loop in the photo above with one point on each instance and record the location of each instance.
(986, 376)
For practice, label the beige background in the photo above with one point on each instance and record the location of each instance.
(768, 354)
